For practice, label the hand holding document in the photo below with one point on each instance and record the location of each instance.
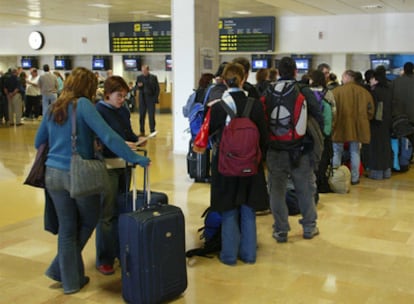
(143, 139)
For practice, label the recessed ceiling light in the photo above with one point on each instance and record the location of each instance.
(163, 16)
(372, 6)
(241, 12)
(138, 12)
(100, 5)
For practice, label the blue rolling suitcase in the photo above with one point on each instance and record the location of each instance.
(152, 246)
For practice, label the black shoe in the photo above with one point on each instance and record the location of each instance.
(355, 183)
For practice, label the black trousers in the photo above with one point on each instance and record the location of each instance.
(145, 107)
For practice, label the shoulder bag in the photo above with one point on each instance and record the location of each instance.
(87, 176)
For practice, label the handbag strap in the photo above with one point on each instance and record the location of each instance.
(73, 136)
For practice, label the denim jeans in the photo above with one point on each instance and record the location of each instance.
(238, 235)
(47, 99)
(77, 220)
(303, 178)
(107, 239)
(338, 149)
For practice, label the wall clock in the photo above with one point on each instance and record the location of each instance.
(36, 40)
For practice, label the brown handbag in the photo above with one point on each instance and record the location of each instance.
(36, 177)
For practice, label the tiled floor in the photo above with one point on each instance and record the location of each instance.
(364, 254)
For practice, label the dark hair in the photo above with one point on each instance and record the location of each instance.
(358, 77)
(244, 62)
(333, 77)
(205, 80)
(46, 68)
(220, 69)
(368, 75)
(318, 78)
(323, 66)
(380, 76)
(408, 68)
(114, 84)
(287, 67)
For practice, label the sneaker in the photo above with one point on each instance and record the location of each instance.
(310, 234)
(355, 183)
(106, 269)
(280, 237)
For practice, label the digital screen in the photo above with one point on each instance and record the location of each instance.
(98, 64)
(140, 37)
(378, 62)
(260, 64)
(253, 34)
(26, 63)
(168, 63)
(302, 64)
(130, 63)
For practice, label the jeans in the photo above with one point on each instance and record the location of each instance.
(47, 99)
(238, 235)
(107, 239)
(303, 178)
(338, 149)
(77, 220)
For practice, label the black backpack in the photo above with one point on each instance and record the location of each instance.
(210, 235)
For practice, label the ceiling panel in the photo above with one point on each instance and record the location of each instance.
(62, 12)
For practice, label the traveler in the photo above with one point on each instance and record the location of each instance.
(48, 85)
(77, 217)
(149, 91)
(33, 96)
(117, 116)
(235, 197)
(354, 109)
(291, 157)
(12, 90)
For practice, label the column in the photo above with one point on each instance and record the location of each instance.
(194, 25)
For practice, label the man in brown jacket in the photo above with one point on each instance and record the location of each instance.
(354, 108)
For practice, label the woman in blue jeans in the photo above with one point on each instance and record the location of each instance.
(77, 217)
(237, 198)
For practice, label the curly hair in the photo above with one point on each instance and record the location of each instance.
(80, 83)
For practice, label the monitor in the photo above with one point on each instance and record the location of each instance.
(131, 62)
(101, 63)
(261, 62)
(29, 62)
(376, 62)
(168, 63)
(62, 63)
(302, 64)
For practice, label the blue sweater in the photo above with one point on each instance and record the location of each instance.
(88, 123)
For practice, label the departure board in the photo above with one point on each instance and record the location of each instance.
(140, 37)
(252, 34)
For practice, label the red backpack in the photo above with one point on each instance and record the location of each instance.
(239, 151)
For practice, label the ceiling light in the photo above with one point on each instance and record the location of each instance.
(241, 12)
(372, 6)
(100, 5)
(138, 12)
(163, 16)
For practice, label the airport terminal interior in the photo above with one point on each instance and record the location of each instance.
(364, 253)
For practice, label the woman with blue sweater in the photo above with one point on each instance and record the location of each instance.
(77, 217)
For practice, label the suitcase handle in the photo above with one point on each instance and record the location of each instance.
(146, 186)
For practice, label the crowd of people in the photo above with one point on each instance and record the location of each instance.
(355, 115)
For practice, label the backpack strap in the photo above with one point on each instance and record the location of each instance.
(248, 107)
(227, 108)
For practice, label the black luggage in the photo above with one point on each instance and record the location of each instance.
(152, 246)
(198, 165)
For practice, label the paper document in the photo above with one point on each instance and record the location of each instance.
(143, 139)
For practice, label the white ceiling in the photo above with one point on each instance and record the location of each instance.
(60, 12)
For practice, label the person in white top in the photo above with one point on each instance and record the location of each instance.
(33, 96)
(48, 85)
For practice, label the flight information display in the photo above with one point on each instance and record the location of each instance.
(140, 37)
(252, 34)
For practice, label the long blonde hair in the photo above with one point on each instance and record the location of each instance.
(80, 83)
